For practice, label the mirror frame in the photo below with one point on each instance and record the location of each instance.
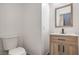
(61, 8)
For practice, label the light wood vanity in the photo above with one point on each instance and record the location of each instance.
(63, 44)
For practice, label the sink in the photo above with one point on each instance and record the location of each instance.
(68, 34)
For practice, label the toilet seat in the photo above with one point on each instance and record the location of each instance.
(17, 51)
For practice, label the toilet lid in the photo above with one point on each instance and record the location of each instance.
(17, 51)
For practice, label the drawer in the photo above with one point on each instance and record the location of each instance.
(72, 39)
(71, 43)
(64, 38)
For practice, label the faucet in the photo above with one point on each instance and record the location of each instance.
(62, 31)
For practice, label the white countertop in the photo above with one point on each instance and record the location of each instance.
(64, 34)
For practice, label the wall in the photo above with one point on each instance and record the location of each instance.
(36, 28)
(30, 22)
(11, 21)
(10, 14)
(73, 29)
(32, 28)
(25, 21)
(45, 28)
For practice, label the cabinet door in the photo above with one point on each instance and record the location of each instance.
(64, 49)
(72, 50)
(56, 48)
(72, 47)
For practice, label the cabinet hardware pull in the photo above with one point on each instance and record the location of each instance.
(58, 48)
(62, 39)
(63, 48)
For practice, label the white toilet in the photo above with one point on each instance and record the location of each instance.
(10, 45)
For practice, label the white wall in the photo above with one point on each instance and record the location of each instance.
(45, 28)
(25, 21)
(32, 28)
(10, 14)
(30, 22)
(11, 21)
(73, 29)
(36, 28)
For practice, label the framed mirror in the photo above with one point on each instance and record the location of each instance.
(64, 16)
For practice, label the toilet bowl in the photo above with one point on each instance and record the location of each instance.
(10, 44)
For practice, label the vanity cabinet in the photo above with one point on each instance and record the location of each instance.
(63, 45)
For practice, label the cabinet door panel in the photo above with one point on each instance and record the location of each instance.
(72, 50)
(72, 47)
(64, 49)
(56, 48)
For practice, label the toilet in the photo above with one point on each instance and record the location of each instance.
(10, 44)
(17, 51)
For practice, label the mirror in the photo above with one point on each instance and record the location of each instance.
(64, 16)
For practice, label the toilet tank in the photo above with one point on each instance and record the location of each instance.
(10, 42)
